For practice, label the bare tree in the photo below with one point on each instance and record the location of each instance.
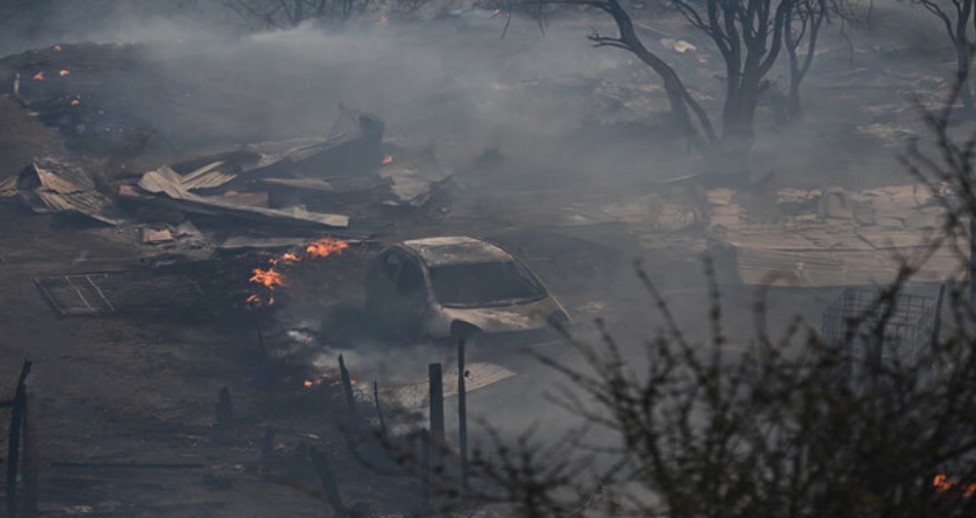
(806, 17)
(957, 17)
(749, 34)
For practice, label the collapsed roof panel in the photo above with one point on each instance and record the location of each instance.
(48, 186)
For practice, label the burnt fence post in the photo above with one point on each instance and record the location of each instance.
(347, 387)
(462, 415)
(13, 442)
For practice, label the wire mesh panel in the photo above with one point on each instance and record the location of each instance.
(883, 331)
(119, 292)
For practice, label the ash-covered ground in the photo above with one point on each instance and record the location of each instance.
(562, 153)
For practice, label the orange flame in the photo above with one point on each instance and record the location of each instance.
(942, 484)
(75, 102)
(328, 380)
(57, 48)
(269, 278)
(38, 76)
(388, 159)
(63, 72)
(325, 247)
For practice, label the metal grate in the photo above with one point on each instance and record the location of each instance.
(119, 292)
(854, 317)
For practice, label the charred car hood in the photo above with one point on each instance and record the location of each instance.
(520, 317)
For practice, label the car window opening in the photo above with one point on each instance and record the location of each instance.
(484, 284)
(411, 280)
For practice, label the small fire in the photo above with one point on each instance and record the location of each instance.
(75, 102)
(388, 159)
(325, 247)
(64, 72)
(383, 21)
(942, 484)
(327, 380)
(38, 76)
(57, 48)
(269, 278)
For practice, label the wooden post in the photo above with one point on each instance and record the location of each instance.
(13, 443)
(347, 386)
(329, 485)
(379, 411)
(436, 383)
(937, 318)
(30, 469)
(462, 415)
(435, 443)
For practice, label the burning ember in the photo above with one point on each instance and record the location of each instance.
(383, 21)
(327, 380)
(942, 484)
(75, 102)
(63, 72)
(38, 76)
(57, 48)
(388, 159)
(325, 247)
(271, 278)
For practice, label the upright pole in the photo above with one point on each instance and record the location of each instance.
(379, 410)
(462, 415)
(30, 469)
(13, 443)
(436, 443)
(347, 386)
(937, 318)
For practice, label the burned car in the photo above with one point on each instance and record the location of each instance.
(444, 288)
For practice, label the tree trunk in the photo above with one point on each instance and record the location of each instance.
(963, 69)
(685, 109)
(794, 108)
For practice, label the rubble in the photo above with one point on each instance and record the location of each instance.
(828, 237)
(164, 188)
(50, 186)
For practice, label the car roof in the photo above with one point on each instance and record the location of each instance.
(440, 251)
